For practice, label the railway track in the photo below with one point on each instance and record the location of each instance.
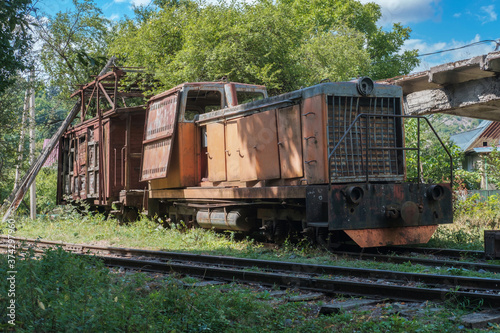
(319, 278)
(449, 253)
(422, 261)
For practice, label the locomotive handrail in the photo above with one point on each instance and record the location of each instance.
(232, 114)
(367, 115)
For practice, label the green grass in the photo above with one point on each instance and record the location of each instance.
(472, 217)
(62, 292)
(95, 229)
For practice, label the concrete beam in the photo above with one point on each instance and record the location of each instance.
(452, 73)
(479, 98)
(469, 88)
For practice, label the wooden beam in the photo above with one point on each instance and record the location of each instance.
(107, 96)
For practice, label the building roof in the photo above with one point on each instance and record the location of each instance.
(466, 139)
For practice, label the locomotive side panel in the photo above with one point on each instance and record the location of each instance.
(232, 151)
(182, 170)
(216, 152)
(290, 142)
(258, 147)
(313, 139)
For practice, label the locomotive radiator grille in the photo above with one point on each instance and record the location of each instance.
(369, 150)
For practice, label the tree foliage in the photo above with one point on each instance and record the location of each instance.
(15, 40)
(434, 163)
(74, 44)
(283, 44)
(11, 108)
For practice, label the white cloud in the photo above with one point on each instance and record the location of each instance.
(407, 11)
(114, 17)
(429, 61)
(138, 3)
(488, 14)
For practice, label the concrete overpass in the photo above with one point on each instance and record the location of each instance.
(469, 88)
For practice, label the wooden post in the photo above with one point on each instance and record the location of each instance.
(20, 148)
(32, 146)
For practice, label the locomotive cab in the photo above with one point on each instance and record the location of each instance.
(176, 149)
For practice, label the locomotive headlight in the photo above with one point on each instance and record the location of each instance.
(365, 86)
(435, 192)
(354, 194)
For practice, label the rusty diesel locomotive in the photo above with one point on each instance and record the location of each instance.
(327, 160)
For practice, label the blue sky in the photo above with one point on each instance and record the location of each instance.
(443, 24)
(436, 24)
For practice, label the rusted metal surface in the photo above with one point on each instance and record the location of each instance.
(492, 244)
(358, 206)
(354, 158)
(158, 137)
(183, 163)
(392, 236)
(369, 144)
(232, 147)
(216, 152)
(314, 139)
(290, 142)
(94, 161)
(258, 146)
(270, 192)
(317, 204)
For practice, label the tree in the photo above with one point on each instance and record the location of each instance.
(74, 45)
(434, 163)
(15, 40)
(11, 109)
(283, 44)
(382, 46)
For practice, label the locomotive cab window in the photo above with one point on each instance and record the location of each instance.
(201, 101)
(249, 96)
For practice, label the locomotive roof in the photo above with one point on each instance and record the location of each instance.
(205, 86)
(348, 89)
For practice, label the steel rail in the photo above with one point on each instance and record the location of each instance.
(452, 253)
(421, 261)
(284, 266)
(327, 286)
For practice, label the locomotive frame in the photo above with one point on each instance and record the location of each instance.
(323, 160)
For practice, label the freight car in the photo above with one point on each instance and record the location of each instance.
(99, 158)
(327, 161)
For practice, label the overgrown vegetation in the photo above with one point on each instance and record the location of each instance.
(472, 215)
(65, 292)
(282, 44)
